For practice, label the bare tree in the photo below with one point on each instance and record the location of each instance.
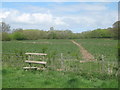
(4, 27)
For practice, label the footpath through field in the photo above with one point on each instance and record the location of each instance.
(85, 54)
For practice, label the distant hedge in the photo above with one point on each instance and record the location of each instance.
(32, 34)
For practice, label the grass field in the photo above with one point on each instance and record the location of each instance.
(62, 54)
(98, 47)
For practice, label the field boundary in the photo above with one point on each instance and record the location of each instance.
(85, 54)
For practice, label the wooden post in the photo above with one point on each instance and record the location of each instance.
(108, 68)
(29, 57)
(30, 64)
(102, 57)
(62, 61)
(90, 66)
(100, 66)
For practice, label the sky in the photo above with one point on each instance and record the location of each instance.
(75, 16)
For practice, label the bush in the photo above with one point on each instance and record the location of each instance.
(32, 34)
(18, 36)
(5, 36)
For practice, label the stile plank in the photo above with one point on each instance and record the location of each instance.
(36, 62)
(44, 54)
(26, 68)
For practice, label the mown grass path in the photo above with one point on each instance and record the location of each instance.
(85, 54)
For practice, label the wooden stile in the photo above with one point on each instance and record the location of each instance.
(35, 62)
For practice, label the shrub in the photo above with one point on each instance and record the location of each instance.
(18, 36)
(5, 36)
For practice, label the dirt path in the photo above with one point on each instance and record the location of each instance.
(85, 54)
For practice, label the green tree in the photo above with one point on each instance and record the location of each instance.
(32, 34)
(52, 28)
(5, 36)
(18, 34)
(116, 30)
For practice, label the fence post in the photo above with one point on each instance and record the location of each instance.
(108, 67)
(102, 57)
(62, 63)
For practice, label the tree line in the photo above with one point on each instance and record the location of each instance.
(35, 34)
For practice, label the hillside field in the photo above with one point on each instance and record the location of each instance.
(63, 69)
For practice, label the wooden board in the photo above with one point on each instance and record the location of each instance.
(44, 54)
(33, 68)
(36, 62)
(28, 68)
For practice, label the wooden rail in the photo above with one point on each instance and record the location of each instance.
(27, 68)
(41, 54)
(36, 62)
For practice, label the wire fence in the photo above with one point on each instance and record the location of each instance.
(101, 67)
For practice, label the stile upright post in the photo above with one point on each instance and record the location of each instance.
(62, 61)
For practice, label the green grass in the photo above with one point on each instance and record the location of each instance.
(52, 47)
(15, 78)
(75, 74)
(98, 47)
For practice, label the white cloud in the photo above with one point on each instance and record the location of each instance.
(90, 21)
(32, 19)
(24, 18)
(40, 18)
(4, 15)
(59, 21)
